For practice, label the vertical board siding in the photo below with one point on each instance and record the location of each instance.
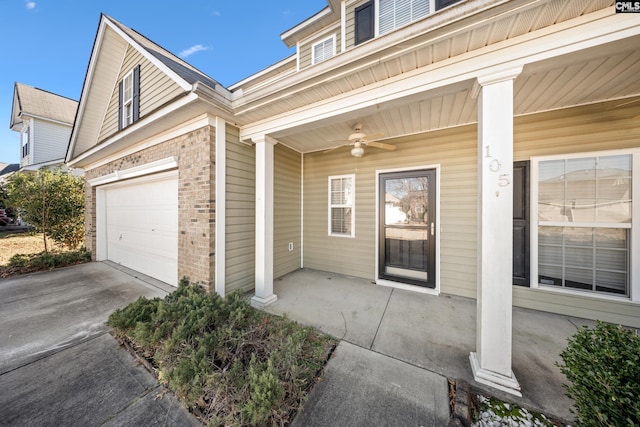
(307, 46)
(350, 23)
(50, 139)
(454, 150)
(287, 208)
(156, 89)
(240, 231)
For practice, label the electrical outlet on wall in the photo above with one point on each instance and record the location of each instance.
(290, 246)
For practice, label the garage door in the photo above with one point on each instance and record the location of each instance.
(141, 226)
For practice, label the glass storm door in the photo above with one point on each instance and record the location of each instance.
(407, 248)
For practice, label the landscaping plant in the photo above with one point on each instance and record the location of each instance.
(52, 201)
(603, 367)
(228, 362)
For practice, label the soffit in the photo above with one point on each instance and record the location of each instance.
(607, 72)
(445, 34)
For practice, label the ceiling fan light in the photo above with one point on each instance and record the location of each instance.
(357, 151)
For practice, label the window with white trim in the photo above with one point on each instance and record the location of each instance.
(323, 50)
(393, 14)
(342, 205)
(585, 220)
(127, 99)
(26, 139)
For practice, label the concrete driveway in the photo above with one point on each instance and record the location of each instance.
(58, 363)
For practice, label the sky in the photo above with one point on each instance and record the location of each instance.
(47, 43)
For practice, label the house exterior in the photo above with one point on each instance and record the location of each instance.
(481, 148)
(44, 121)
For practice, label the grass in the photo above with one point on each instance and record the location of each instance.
(23, 252)
(229, 363)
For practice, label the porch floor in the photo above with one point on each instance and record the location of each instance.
(435, 333)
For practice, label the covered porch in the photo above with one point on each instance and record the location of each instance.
(435, 333)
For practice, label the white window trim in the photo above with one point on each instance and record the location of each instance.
(634, 261)
(127, 101)
(376, 17)
(26, 136)
(352, 206)
(332, 38)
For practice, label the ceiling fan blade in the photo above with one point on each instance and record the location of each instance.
(373, 136)
(381, 145)
(335, 148)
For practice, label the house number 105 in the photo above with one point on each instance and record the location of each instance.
(495, 166)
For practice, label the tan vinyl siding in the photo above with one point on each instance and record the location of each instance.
(240, 230)
(50, 140)
(454, 150)
(307, 45)
(350, 24)
(156, 89)
(287, 206)
(590, 128)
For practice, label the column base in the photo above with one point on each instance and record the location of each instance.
(493, 379)
(259, 302)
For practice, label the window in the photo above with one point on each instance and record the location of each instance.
(323, 50)
(342, 205)
(585, 221)
(396, 13)
(129, 98)
(26, 138)
(364, 19)
(444, 3)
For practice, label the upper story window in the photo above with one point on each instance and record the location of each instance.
(26, 139)
(323, 50)
(397, 13)
(364, 22)
(129, 98)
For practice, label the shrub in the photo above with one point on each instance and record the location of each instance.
(229, 363)
(603, 366)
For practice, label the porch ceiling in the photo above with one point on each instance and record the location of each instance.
(598, 74)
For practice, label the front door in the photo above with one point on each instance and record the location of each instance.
(407, 209)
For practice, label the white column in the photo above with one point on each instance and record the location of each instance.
(264, 222)
(221, 206)
(491, 363)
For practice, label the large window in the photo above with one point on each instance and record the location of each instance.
(585, 222)
(341, 205)
(323, 50)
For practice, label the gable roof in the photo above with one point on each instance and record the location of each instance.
(183, 69)
(34, 102)
(112, 40)
(6, 168)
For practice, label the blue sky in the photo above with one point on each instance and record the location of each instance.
(47, 43)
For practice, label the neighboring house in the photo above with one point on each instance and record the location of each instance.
(6, 169)
(44, 121)
(517, 140)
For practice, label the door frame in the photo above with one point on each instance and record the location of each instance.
(399, 285)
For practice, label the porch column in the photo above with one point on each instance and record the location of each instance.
(491, 363)
(264, 222)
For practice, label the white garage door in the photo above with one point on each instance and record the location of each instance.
(141, 226)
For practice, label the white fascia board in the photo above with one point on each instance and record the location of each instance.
(318, 16)
(46, 119)
(97, 46)
(261, 73)
(570, 36)
(146, 169)
(168, 71)
(191, 97)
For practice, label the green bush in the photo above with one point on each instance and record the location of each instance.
(49, 260)
(603, 366)
(231, 364)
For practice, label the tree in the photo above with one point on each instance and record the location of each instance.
(52, 201)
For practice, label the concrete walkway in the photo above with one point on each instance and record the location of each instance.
(432, 334)
(58, 364)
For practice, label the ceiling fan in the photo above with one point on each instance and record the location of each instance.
(358, 139)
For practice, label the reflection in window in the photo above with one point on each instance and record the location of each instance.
(584, 213)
